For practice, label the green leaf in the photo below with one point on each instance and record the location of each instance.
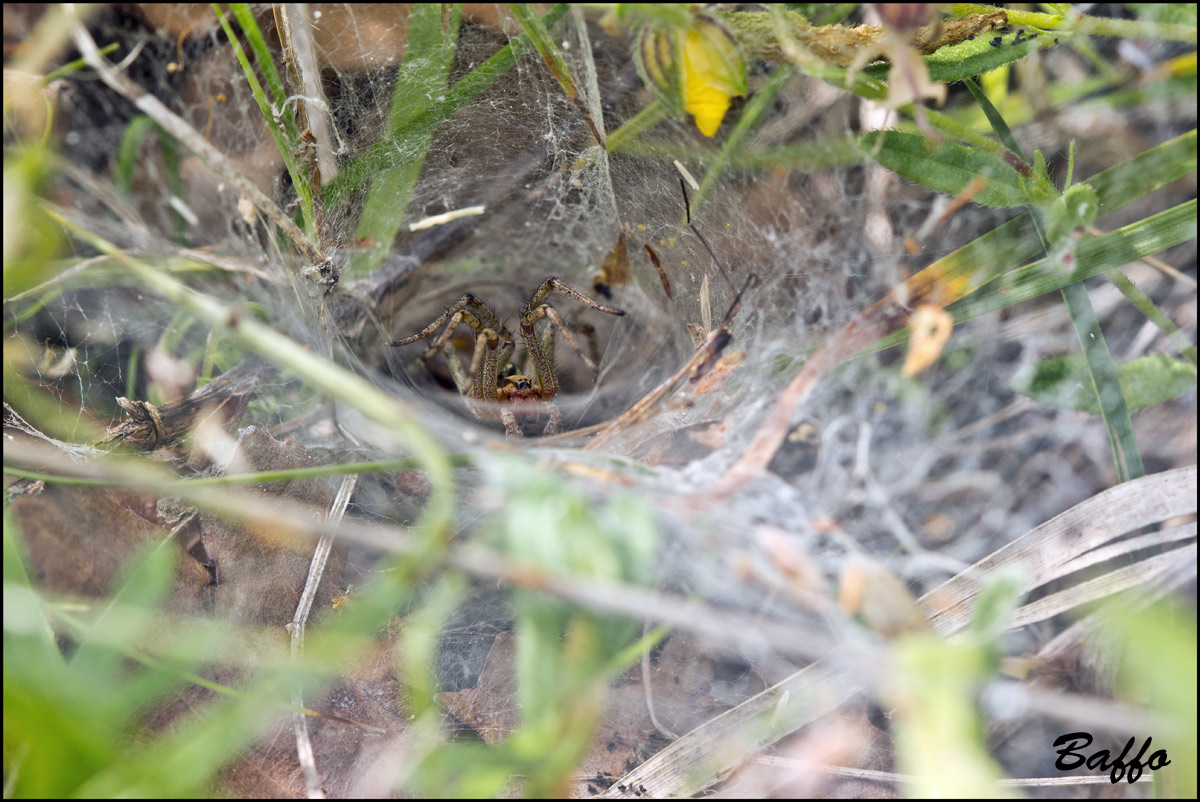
(968, 59)
(1064, 382)
(977, 56)
(949, 168)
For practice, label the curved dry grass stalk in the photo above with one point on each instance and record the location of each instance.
(1051, 551)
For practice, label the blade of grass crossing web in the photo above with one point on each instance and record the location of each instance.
(422, 77)
(267, 109)
(308, 187)
(1156, 233)
(469, 87)
(262, 55)
(537, 32)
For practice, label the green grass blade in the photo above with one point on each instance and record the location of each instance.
(470, 86)
(265, 107)
(1105, 382)
(427, 58)
(1093, 257)
(129, 151)
(262, 55)
(1146, 306)
(72, 67)
(1145, 173)
(536, 30)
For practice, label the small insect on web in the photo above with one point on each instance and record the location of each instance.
(492, 387)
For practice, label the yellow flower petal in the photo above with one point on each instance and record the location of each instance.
(713, 74)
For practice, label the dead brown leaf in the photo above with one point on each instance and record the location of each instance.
(489, 708)
(260, 571)
(78, 541)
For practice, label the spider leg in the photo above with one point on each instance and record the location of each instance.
(454, 362)
(467, 309)
(490, 353)
(461, 316)
(480, 381)
(494, 345)
(511, 427)
(551, 284)
(589, 333)
(548, 345)
(543, 355)
(452, 309)
(555, 424)
(535, 310)
(474, 379)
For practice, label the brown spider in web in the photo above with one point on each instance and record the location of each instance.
(493, 389)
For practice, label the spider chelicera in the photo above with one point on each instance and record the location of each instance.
(493, 388)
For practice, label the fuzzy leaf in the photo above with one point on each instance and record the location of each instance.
(949, 168)
(1064, 382)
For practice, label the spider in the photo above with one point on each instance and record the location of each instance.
(493, 388)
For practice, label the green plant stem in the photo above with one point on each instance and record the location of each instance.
(1098, 26)
(233, 480)
(285, 146)
(649, 116)
(745, 125)
(1152, 313)
(1107, 385)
